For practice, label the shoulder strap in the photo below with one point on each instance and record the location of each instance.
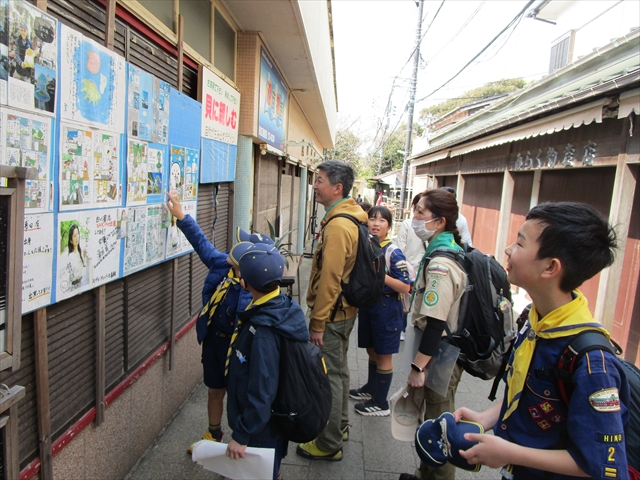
(387, 255)
(344, 215)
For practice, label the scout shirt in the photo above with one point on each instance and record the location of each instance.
(443, 282)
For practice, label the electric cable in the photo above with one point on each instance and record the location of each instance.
(515, 19)
(448, 42)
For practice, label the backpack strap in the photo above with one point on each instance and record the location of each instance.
(505, 358)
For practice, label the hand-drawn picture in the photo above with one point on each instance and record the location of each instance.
(74, 261)
(4, 51)
(88, 251)
(155, 169)
(26, 142)
(137, 164)
(30, 62)
(92, 82)
(155, 234)
(106, 151)
(191, 169)
(37, 262)
(176, 171)
(148, 106)
(177, 243)
(135, 244)
(76, 152)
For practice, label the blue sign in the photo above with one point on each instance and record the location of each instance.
(272, 109)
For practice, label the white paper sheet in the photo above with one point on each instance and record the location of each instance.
(257, 464)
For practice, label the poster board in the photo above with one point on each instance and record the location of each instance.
(37, 263)
(148, 106)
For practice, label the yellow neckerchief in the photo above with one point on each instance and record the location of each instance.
(219, 295)
(569, 319)
(236, 330)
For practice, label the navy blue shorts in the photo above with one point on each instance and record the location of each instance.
(379, 326)
(214, 355)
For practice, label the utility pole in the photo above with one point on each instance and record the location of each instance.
(412, 99)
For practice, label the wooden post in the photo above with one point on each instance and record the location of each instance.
(624, 189)
(174, 307)
(42, 393)
(460, 190)
(14, 285)
(176, 14)
(505, 215)
(180, 50)
(535, 188)
(110, 26)
(101, 294)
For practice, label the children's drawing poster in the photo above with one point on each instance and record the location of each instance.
(26, 142)
(191, 168)
(30, 59)
(156, 168)
(88, 251)
(137, 166)
(177, 243)
(92, 82)
(4, 50)
(145, 237)
(177, 171)
(37, 261)
(89, 168)
(148, 106)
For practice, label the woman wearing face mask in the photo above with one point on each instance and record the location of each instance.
(439, 286)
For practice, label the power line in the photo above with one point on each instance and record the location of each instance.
(515, 19)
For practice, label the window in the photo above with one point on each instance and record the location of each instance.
(561, 51)
(224, 46)
(197, 25)
(163, 11)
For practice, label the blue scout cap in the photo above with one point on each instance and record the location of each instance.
(260, 265)
(242, 236)
(440, 440)
(238, 250)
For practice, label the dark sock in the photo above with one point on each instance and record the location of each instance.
(370, 386)
(383, 384)
(215, 431)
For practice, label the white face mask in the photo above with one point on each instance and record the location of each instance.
(420, 227)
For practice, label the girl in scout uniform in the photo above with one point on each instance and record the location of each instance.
(380, 325)
(439, 288)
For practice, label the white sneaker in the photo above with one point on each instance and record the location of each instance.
(401, 336)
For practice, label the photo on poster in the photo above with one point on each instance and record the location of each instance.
(137, 164)
(37, 261)
(26, 142)
(32, 58)
(191, 169)
(76, 152)
(155, 174)
(4, 50)
(92, 81)
(88, 251)
(177, 171)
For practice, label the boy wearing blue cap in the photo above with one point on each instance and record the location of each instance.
(536, 434)
(253, 357)
(222, 297)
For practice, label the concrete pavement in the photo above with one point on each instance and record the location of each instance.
(370, 453)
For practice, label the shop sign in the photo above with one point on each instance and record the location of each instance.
(220, 108)
(273, 104)
(549, 159)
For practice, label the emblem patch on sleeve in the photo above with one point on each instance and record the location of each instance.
(431, 298)
(438, 270)
(606, 400)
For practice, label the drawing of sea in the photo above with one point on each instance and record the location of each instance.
(94, 99)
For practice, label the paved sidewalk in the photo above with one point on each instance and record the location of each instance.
(370, 453)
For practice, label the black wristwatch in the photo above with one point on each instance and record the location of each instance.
(417, 368)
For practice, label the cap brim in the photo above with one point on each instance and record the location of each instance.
(238, 250)
(405, 415)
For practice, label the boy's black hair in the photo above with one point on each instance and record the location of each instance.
(383, 211)
(338, 172)
(578, 235)
(269, 287)
(451, 190)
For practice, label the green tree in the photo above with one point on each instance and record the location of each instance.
(485, 91)
(348, 146)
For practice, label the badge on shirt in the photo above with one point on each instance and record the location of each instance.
(431, 298)
(437, 270)
(606, 400)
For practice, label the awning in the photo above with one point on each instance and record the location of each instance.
(433, 157)
(629, 102)
(575, 117)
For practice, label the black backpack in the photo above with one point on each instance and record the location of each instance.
(595, 340)
(366, 281)
(485, 322)
(302, 405)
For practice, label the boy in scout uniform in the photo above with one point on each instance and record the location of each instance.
(537, 435)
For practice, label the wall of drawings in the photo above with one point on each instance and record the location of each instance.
(108, 140)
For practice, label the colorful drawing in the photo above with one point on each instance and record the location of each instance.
(92, 82)
(28, 57)
(37, 261)
(177, 243)
(26, 140)
(134, 250)
(106, 151)
(176, 171)
(76, 152)
(155, 234)
(191, 173)
(155, 169)
(148, 106)
(137, 164)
